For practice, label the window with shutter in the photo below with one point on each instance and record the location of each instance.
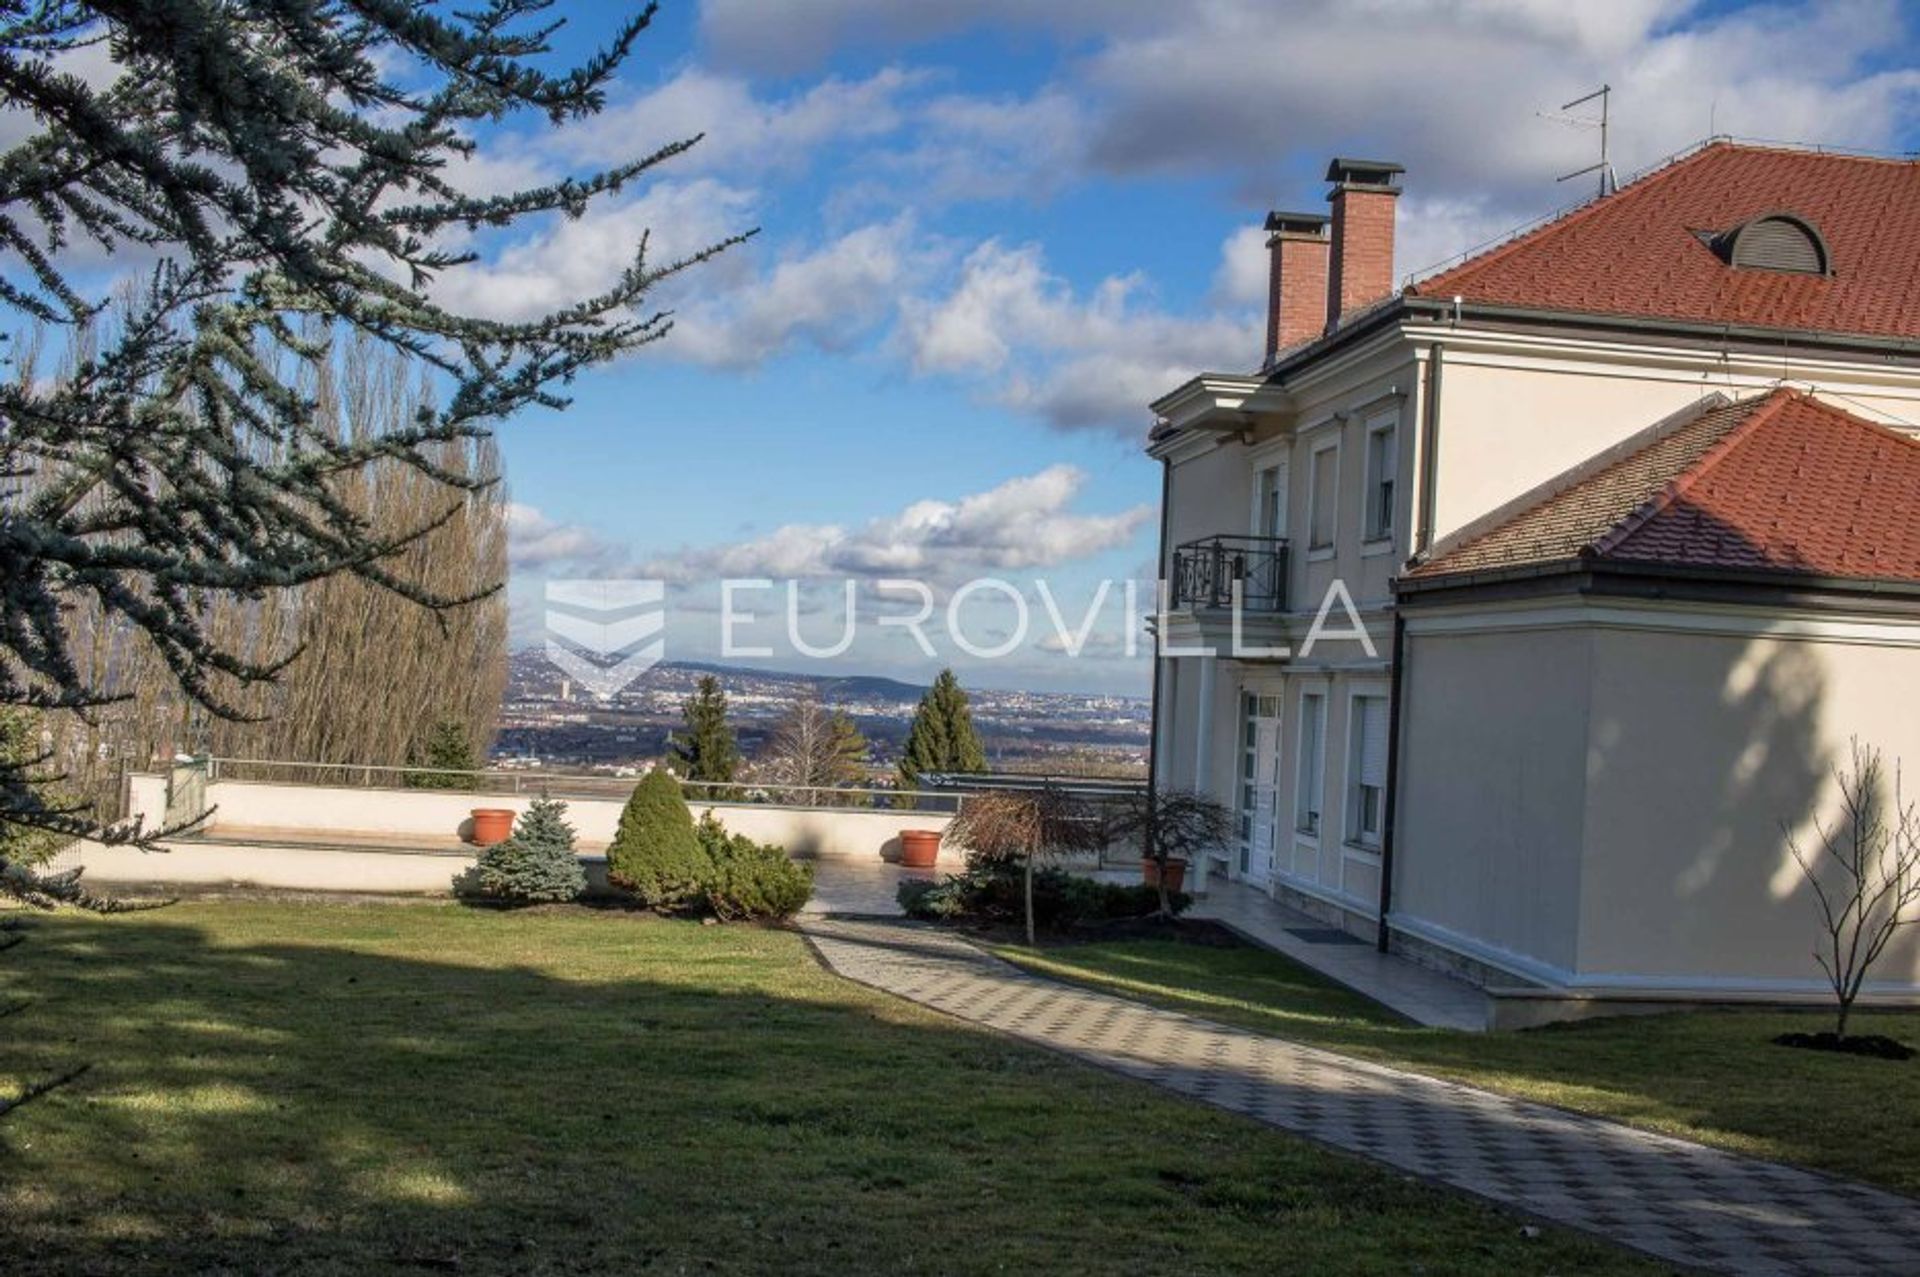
(1383, 463)
(1367, 775)
(1325, 499)
(1308, 782)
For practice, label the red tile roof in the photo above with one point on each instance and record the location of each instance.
(1643, 251)
(1778, 483)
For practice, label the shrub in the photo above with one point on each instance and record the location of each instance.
(992, 893)
(535, 865)
(750, 880)
(655, 853)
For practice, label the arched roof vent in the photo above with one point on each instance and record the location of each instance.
(1775, 241)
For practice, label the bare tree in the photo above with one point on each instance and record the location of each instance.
(816, 750)
(1870, 886)
(1172, 824)
(1026, 827)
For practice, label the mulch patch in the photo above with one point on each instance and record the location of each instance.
(1868, 1044)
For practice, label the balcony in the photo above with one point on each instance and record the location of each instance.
(1205, 573)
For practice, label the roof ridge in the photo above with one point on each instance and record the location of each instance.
(1577, 213)
(1763, 409)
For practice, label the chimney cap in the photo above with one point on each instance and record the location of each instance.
(1352, 172)
(1297, 223)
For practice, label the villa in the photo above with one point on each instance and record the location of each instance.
(1626, 506)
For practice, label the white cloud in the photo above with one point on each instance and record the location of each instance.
(830, 299)
(1076, 361)
(741, 130)
(1458, 90)
(535, 540)
(1241, 278)
(1023, 524)
(556, 261)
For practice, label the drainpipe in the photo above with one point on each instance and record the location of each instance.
(1429, 450)
(1160, 567)
(1396, 691)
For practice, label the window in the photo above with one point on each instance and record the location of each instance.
(1313, 730)
(1270, 503)
(1383, 470)
(1325, 498)
(1367, 772)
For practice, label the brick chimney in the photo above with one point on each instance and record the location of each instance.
(1297, 280)
(1362, 197)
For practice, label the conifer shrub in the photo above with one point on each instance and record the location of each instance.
(750, 880)
(656, 854)
(536, 864)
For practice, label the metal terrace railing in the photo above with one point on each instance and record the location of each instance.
(558, 784)
(1208, 573)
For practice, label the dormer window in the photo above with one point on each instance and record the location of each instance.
(1776, 241)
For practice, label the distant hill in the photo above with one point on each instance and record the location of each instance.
(831, 686)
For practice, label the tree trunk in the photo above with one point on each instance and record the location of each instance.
(1029, 884)
(1846, 1009)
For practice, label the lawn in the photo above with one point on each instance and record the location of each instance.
(1709, 1076)
(371, 1088)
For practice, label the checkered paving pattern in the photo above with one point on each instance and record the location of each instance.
(1679, 1201)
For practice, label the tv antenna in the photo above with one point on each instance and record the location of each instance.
(1609, 183)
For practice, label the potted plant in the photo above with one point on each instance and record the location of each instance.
(919, 848)
(1172, 827)
(491, 824)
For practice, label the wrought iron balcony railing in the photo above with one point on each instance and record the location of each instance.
(1204, 573)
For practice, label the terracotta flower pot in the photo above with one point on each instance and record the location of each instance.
(919, 848)
(492, 824)
(1176, 873)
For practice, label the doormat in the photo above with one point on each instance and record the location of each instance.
(1324, 935)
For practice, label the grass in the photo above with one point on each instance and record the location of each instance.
(371, 1088)
(1710, 1076)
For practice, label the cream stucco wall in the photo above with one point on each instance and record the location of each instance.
(1593, 794)
(1493, 790)
(1700, 748)
(262, 834)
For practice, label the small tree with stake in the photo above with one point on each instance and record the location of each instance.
(1870, 887)
(1174, 824)
(1023, 827)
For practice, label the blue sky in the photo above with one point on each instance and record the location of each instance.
(991, 231)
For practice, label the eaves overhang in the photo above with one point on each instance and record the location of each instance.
(1216, 401)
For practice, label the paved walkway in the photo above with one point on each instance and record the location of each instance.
(1682, 1202)
(1422, 994)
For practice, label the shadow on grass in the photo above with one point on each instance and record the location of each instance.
(311, 1088)
(1714, 1076)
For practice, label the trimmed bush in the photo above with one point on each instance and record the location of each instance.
(655, 853)
(991, 893)
(750, 880)
(535, 865)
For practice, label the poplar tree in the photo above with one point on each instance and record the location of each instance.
(942, 738)
(282, 172)
(707, 750)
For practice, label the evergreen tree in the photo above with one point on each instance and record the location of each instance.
(291, 172)
(655, 853)
(536, 864)
(448, 752)
(707, 750)
(942, 738)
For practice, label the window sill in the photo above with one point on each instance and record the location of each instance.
(1361, 849)
(1374, 549)
(1320, 554)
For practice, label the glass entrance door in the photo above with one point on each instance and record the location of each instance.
(1259, 784)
